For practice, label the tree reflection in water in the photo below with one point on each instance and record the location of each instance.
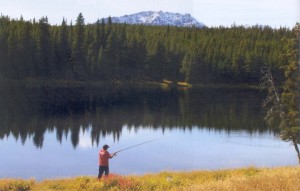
(30, 112)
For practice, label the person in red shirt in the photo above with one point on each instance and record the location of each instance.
(104, 157)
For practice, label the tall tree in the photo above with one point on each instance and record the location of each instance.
(291, 93)
(43, 65)
(64, 50)
(78, 57)
(157, 61)
(285, 106)
(4, 33)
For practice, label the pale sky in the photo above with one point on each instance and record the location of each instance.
(212, 13)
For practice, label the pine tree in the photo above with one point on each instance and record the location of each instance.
(77, 56)
(64, 50)
(285, 106)
(43, 65)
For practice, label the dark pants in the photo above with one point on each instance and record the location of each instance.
(103, 169)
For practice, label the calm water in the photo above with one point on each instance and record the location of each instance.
(57, 132)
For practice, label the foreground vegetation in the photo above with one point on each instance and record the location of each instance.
(283, 178)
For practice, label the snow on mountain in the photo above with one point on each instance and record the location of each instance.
(158, 18)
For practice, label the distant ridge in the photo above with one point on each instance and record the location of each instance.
(159, 18)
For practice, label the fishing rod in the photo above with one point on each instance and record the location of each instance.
(135, 145)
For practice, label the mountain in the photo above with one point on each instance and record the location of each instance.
(158, 18)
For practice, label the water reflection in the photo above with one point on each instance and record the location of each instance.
(27, 113)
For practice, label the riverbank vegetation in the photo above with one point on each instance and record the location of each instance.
(282, 106)
(247, 179)
(120, 52)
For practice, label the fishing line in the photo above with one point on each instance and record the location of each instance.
(136, 145)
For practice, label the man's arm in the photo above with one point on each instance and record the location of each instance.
(112, 155)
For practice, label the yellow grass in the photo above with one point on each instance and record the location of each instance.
(167, 81)
(184, 84)
(247, 179)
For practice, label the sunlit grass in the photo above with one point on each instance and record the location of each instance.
(16, 184)
(284, 178)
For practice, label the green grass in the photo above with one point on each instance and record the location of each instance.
(246, 179)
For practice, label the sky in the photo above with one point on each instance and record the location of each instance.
(213, 13)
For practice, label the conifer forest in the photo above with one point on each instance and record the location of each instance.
(119, 52)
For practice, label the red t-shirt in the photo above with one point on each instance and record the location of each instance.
(104, 156)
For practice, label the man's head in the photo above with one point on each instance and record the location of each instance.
(105, 147)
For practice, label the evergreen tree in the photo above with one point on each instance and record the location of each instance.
(64, 50)
(285, 106)
(4, 33)
(77, 56)
(43, 62)
(156, 62)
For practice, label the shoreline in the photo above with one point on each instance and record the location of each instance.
(139, 84)
(249, 178)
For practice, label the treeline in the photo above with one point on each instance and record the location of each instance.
(121, 52)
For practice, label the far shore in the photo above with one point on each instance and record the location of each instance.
(116, 83)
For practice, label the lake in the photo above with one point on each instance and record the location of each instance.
(48, 132)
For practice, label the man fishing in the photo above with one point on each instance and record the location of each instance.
(104, 157)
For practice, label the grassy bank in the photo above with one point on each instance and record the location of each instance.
(284, 178)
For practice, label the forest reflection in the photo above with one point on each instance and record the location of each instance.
(31, 112)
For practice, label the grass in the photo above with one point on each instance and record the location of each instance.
(247, 179)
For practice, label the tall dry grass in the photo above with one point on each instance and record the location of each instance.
(247, 179)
